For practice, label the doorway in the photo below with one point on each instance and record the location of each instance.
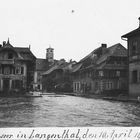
(6, 85)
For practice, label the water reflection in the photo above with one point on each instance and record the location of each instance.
(66, 111)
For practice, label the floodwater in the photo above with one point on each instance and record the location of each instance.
(63, 110)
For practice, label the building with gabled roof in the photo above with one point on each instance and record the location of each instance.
(17, 65)
(111, 71)
(102, 71)
(133, 43)
(58, 77)
(42, 65)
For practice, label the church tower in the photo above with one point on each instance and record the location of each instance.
(50, 54)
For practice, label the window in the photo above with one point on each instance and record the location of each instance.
(74, 86)
(39, 79)
(118, 73)
(134, 76)
(6, 70)
(101, 73)
(94, 55)
(0, 70)
(22, 70)
(108, 85)
(118, 61)
(18, 70)
(77, 86)
(38, 86)
(10, 56)
(111, 85)
(96, 85)
(134, 48)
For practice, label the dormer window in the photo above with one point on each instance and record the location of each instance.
(10, 56)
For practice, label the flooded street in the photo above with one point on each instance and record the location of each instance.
(63, 110)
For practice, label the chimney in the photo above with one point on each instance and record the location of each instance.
(139, 21)
(104, 46)
(4, 43)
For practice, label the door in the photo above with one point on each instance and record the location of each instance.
(6, 85)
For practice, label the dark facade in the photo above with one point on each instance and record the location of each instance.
(58, 78)
(102, 71)
(17, 65)
(42, 65)
(133, 43)
(82, 78)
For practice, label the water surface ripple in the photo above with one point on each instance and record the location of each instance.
(66, 111)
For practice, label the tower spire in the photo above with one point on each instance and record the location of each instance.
(139, 21)
(50, 54)
(29, 46)
(8, 41)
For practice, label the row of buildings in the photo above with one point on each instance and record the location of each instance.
(106, 70)
(103, 71)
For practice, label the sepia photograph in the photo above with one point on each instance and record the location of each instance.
(70, 63)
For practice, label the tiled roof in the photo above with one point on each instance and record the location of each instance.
(91, 54)
(132, 33)
(51, 70)
(115, 50)
(76, 67)
(42, 64)
(59, 65)
(22, 49)
(24, 53)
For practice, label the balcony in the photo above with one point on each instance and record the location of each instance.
(7, 61)
(116, 66)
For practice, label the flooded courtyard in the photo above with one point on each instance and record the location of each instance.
(64, 110)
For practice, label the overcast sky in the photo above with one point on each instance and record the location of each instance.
(72, 27)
